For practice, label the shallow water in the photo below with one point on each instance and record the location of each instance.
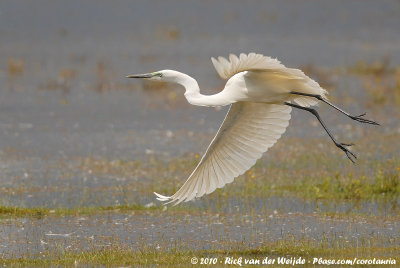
(69, 100)
(48, 111)
(186, 231)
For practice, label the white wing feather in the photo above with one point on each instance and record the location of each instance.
(226, 69)
(248, 130)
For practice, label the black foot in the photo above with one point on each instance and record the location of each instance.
(350, 155)
(360, 118)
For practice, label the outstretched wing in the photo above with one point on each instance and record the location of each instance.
(248, 130)
(226, 69)
(251, 62)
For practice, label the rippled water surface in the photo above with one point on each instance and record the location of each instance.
(65, 103)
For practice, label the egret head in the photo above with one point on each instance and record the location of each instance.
(163, 75)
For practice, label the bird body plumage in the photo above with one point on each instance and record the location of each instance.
(260, 92)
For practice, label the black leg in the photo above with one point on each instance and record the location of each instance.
(358, 118)
(348, 153)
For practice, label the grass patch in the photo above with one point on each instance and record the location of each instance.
(312, 170)
(384, 185)
(40, 211)
(124, 256)
(318, 176)
(381, 81)
(376, 68)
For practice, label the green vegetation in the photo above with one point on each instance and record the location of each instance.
(381, 186)
(314, 175)
(40, 211)
(321, 174)
(123, 256)
(380, 80)
(311, 170)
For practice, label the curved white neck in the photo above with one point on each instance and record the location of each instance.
(194, 96)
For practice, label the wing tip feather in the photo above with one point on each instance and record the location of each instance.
(161, 197)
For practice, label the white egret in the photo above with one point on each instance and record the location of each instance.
(261, 92)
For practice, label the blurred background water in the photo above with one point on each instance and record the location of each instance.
(64, 96)
(52, 52)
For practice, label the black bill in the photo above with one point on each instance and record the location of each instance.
(149, 75)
